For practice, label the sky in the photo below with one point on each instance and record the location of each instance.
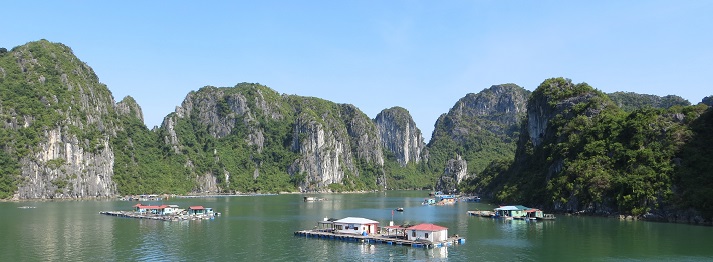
(420, 55)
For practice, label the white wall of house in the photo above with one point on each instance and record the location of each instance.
(347, 228)
(433, 236)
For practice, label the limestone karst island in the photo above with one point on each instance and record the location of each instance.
(564, 147)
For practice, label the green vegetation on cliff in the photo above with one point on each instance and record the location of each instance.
(629, 101)
(563, 147)
(44, 88)
(694, 177)
(593, 156)
(480, 128)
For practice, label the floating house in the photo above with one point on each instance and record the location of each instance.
(356, 225)
(200, 210)
(366, 230)
(430, 232)
(170, 209)
(158, 210)
(534, 213)
(518, 212)
(511, 211)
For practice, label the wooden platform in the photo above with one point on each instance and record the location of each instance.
(384, 239)
(481, 213)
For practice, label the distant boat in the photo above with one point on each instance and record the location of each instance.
(400, 209)
(548, 217)
(312, 199)
(25, 207)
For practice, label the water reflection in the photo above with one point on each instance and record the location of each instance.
(421, 254)
(57, 231)
(261, 228)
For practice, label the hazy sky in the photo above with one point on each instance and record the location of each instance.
(420, 55)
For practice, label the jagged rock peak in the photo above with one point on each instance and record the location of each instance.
(498, 99)
(707, 101)
(72, 115)
(497, 109)
(559, 96)
(128, 106)
(398, 133)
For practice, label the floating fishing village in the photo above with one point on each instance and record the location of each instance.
(426, 235)
(352, 229)
(365, 230)
(165, 212)
(517, 212)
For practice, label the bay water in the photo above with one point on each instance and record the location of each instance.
(261, 228)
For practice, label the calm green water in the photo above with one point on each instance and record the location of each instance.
(260, 228)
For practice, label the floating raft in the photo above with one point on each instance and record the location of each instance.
(155, 216)
(390, 240)
(481, 213)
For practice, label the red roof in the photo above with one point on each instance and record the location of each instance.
(150, 207)
(196, 207)
(427, 227)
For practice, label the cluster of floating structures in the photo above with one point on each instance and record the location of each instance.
(439, 199)
(366, 230)
(517, 212)
(144, 198)
(165, 212)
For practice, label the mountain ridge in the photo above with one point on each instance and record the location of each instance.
(64, 136)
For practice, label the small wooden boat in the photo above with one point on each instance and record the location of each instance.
(400, 209)
(313, 199)
(548, 217)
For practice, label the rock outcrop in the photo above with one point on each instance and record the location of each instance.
(708, 100)
(59, 119)
(491, 117)
(316, 142)
(398, 133)
(455, 172)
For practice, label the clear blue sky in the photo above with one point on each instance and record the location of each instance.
(420, 55)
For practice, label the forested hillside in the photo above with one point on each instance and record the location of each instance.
(629, 101)
(64, 137)
(564, 147)
(58, 120)
(479, 129)
(578, 151)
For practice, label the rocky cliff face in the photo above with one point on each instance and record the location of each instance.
(316, 142)
(490, 117)
(59, 120)
(331, 144)
(556, 99)
(496, 110)
(129, 107)
(455, 172)
(398, 133)
(62, 168)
